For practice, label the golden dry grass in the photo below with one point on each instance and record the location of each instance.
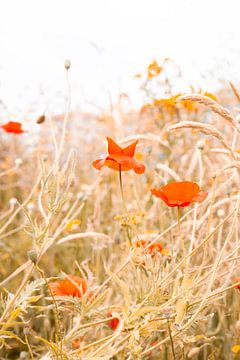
(60, 216)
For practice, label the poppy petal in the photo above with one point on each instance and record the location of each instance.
(130, 149)
(200, 197)
(181, 193)
(98, 164)
(113, 148)
(139, 168)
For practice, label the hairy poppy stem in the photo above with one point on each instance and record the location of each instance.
(125, 205)
(56, 313)
(183, 250)
(171, 339)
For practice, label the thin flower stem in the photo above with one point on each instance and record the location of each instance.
(125, 205)
(185, 262)
(29, 347)
(56, 313)
(171, 340)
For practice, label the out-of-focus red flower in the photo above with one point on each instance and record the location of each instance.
(181, 193)
(13, 127)
(120, 158)
(236, 281)
(152, 249)
(77, 343)
(68, 288)
(113, 324)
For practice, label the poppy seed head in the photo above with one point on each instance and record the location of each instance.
(67, 64)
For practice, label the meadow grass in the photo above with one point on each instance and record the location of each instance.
(61, 217)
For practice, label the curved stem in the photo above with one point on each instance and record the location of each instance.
(125, 205)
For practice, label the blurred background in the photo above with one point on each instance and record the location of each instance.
(108, 42)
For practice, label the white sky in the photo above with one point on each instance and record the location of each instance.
(36, 36)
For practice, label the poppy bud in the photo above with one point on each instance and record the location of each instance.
(32, 255)
(67, 64)
(238, 118)
(201, 144)
(193, 352)
(26, 330)
(13, 201)
(41, 119)
(18, 162)
(221, 213)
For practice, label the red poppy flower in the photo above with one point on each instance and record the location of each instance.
(236, 281)
(77, 343)
(181, 193)
(13, 127)
(68, 288)
(120, 158)
(113, 324)
(152, 249)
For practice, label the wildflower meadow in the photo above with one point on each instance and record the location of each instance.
(119, 230)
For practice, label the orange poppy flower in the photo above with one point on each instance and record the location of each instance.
(13, 127)
(68, 288)
(77, 343)
(181, 193)
(120, 158)
(152, 249)
(113, 324)
(236, 281)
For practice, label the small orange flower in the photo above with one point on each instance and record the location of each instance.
(77, 343)
(153, 69)
(181, 193)
(68, 288)
(113, 324)
(152, 249)
(13, 127)
(120, 158)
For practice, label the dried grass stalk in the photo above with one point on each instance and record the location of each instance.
(235, 91)
(213, 105)
(204, 128)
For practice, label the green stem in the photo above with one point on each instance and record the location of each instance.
(125, 205)
(184, 252)
(56, 313)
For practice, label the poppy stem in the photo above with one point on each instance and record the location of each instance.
(59, 329)
(183, 247)
(125, 205)
(171, 339)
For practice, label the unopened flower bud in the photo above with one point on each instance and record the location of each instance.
(32, 255)
(18, 162)
(221, 213)
(238, 118)
(26, 330)
(13, 201)
(67, 64)
(201, 144)
(45, 158)
(41, 119)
